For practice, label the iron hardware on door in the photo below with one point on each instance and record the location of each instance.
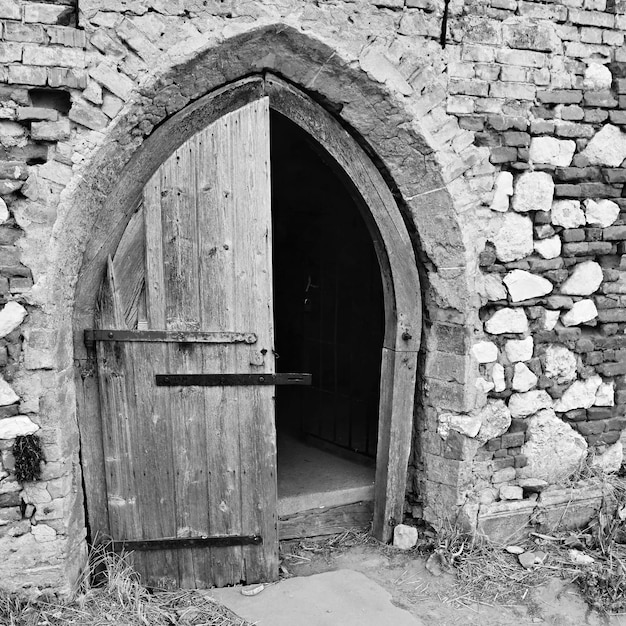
(173, 543)
(231, 380)
(168, 336)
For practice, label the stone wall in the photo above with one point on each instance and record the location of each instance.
(505, 149)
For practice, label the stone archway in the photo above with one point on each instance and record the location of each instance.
(95, 214)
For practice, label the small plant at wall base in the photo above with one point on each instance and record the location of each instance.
(28, 458)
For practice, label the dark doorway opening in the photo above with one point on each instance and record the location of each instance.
(329, 316)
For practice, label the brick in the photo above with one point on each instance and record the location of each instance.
(111, 105)
(521, 460)
(453, 339)
(50, 131)
(10, 52)
(591, 18)
(10, 10)
(513, 440)
(543, 11)
(560, 96)
(16, 31)
(615, 175)
(117, 83)
(67, 77)
(22, 75)
(591, 35)
(67, 36)
(617, 117)
(524, 58)
(612, 369)
(138, 41)
(513, 91)
(599, 412)
(503, 155)
(37, 113)
(572, 112)
(614, 233)
(590, 428)
(609, 437)
(35, 12)
(53, 57)
(595, 116)
(514, 138)
(567, 191)
(17, 170)
(601, 99)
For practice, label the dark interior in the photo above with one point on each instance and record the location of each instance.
(328, 300)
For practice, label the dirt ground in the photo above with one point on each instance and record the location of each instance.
(439, 600)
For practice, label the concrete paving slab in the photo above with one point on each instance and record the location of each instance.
(339, 598)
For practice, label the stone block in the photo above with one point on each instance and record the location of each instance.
(88, 115)
(39, 13)
(10, 10)
(116, 82)
(584, 280)
(525, 34)
(67, 36)
(67, 77)
(608, 147)
(524, 285)
(560, 96)
(504, 522)
(552, 151)
(10, 52)
(53, 57)
(23, 75)
(16, 31)
(533, 192)
(51, 131)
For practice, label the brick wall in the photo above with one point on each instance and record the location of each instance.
(505, 148)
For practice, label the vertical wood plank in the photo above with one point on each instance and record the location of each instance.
(155, 281)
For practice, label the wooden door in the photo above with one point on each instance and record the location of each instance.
(190, 469)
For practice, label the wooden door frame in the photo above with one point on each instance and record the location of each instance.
(394, 249)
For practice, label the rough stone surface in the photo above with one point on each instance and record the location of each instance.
(549, 248)
(485, 351)
(605, 396)
(494, 288)
(525, 404)
(497, 375)
(12, 427)
(523, 378)
(550, 318)
(495, 420)
(502, 191)
(511, 492)
(523, 285)
(581, 394)
(567, 213)
(507, 321)
(533, 192)
(519, 349)
(404, 537)
(554, 450)
(512, 237)
(597, 77)
(560, 364)
(601, 213)
(582, 311)
(611, 459)
(607, 147)
(552, 151)
(11, 316)
(7, 395)
(584, 280)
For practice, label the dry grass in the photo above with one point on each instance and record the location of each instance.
(118, 599)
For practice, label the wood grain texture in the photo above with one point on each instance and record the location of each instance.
(318, 522)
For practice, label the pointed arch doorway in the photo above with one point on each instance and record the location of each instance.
(166, 299)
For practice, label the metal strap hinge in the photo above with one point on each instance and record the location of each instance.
(176, 543)
(231, 380)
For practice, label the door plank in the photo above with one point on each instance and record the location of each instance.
(155, 280)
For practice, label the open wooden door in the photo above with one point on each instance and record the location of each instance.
(184, 343)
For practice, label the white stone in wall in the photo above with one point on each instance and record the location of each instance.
(378, 66)
(7, 395)
(468, 425)
(582, 311)
(511, 492)
(584, 280)
(485, 351)
(567, 213)
(518, 350)
(554, 450)
(523, 378)
(523, 285)
(497, 375)
(11, 316)
(549, 248)
(502, 190)
(581, 394)
(483, 387)
(552, 151)
(601, 213)
(611, 460)
(12, 427)
(605, 396)
(513, 237)
(4, 211)
(494, 289)
(560, 364)
(550, 318)
(607, 147)
(533, 192)
(524, 404)
(507, 321)
(43, 533)
(597, 77)
(35, 493)
(495, 420)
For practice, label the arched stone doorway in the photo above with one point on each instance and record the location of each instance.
(125, 161)
(400, 279)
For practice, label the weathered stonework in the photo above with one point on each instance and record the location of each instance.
(506, 151)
